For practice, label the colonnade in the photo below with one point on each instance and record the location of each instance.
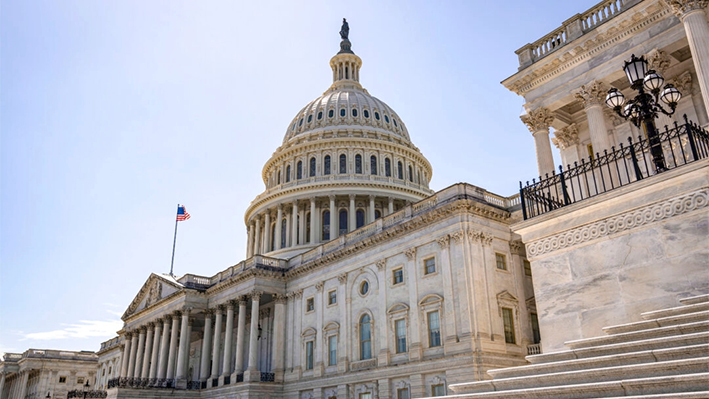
(281, 227)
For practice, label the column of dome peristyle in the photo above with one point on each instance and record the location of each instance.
(693, 16)
(538, 121)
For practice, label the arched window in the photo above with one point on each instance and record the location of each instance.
(343, 112)
(287, 173)
(296, 239)
(376, 115)
(411, 174)
(299, 170)
(326, 225)
(400, 171)
(358, 163)
(312, 167)
(319, 115)
(284, 224)
(279, 177)
(343, 222)
(310, 118)
(273, 237)
(386, 118)
(377, 214)
(343, 164)
(365, 337)
(360, 218)
(387, 167)
(354, 112)
(331, 113)
(373, 165)
(366, 113)
(326, 167)
(307, 227)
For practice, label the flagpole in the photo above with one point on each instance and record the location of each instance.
(174, 241)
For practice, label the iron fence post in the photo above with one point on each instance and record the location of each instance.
(690, 137)
(636, 168)
(521, 200)
(563, 185)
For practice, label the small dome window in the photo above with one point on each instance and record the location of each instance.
(376, 115)
(331, 114)
(301, 122)
(310, 118)
(343, 112)
(354, 112)
(319, 115)
(366, 113)
(394, 120)
(386, 118)
(364, 287)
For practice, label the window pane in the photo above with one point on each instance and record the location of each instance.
(300, 170)
(527, 268)
(358, 163)
(309, 355)
(327, 165)
(535, 328)
(430, 265)
(332, 297)
(509, 325)
(398, 276)
(401, 336)
(434, 329)
(365, 338)
(326, 225)
(287, 173)
(373, 165)
(343, 163)
(400, 171)
(283, 233)
(501, 261)
(387, 167)
(332, 345)
(411, 174)
(402, 393)
(312, 167)
(438, 390)
(360, 218)
(343, 222)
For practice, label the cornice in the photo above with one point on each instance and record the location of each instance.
(248, 274)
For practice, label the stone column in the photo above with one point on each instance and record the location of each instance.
(381, 317)
(257, 236)
(164, 347)
(313, 227)
(139, 353)
(343, 342)
(451, 328)
(23, 384)
(318, 348)
(173, 346)
(370, 211)
(693, 16)
(538, 121)
(301, 227)
(126, 354)
(334, 219)
(184, 349)
(250, 241)
(228, 336)
(240, 330)
(252, 373)
(415, 348)
(353, 214)
(133, 351)
(2, 384)
(145, 368)
(216, 342)
(155, 353)
(289, 218)
(267, 231)
(294, 225)
(592, 96)
(279, 219)
(206, 345)
(279, 327)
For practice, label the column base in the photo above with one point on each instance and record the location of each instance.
(252, 376)
(235, 377)
(278, 375)
(181, 383)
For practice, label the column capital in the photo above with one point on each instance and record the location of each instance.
(312, 199)
(158, 320)
(658, 60)
(219, 308)
(209, 312)
(186, 310)
(372, 197)
(298, 293)
(331, 197)
(319, 286)
(593, 93)
(411, 253)
(683, 7)
(128, 334)
(683, 82)
(352, 197)
(280, 298)
(537, 120)
(255, 295)
(342, 278)
(243, 300)
(566, 137)
(443, 241)
(230, 304)
(516, 247)
(381, 264)
(142, 330)
(167, 318)
(279, 207)
(457, 236)
(177, 313)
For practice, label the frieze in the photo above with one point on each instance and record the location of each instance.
(619, 223)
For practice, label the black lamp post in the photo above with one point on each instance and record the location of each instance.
(86, 388)
(644, 108)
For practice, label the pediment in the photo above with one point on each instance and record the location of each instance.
(398, 308)
(430, 298)
(505, 296)
(331, 326)
(156, 287)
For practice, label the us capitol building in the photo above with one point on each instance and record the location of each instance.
(361, 282)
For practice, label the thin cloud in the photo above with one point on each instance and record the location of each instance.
(83, 329)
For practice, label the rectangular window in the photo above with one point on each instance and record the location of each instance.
(62, 380)
(438, 390)
(509, 325)
(365, 395)
(310, 305)
(430, 265)
(398, 276)
(332, 350)
(527, 268)
(332, 297)
(535, 328)
(402, 393)
(80, 380)
(309, 355)
(401, 336)
(434, 329)
(501, 261)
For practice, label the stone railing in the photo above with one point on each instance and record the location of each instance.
(11, 357)
(110, 343)
(305, 181)
(56, 354)
(534, 349)
(201, 282)
(572, 29)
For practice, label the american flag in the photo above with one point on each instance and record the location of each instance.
(182, 214)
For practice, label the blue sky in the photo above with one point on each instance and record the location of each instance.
(113, 112)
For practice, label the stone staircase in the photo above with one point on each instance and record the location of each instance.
(664, 356)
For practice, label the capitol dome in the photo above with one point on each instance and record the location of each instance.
(346, 160)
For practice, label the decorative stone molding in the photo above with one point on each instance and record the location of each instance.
(592, 94)
(381, 264)
(255, 295)
(209, 312)
(298, 294)
(516, 247)
(319, 286)
(658, 60)
(616, 224)
(457, 236)
(566, 137)
(683, 82)
(615, 119)
(682, 7)
(443, 242)
(342, 278)
(177, 313)
(480, 236)
(280, 298)
(539, 119)
(410, 253)
(507, 300)
(243, 300)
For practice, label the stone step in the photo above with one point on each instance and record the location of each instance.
(589, 376)
(608, 389)
(694, 299)
(675, 395)
(661, 322)
(623, 347)
(658, 332)
(693, 308)
(619, 359)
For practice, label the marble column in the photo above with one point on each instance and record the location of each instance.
(294, 224)
(693, 16)
(145, 368)
(126, 354)
(538, 121)
(301, 227)
(318, 347)
(164, 347)
(240, 330)
(451, 328)
(257, 237)
(267, 231)
(155, 355)
(173, 345)
(279, 329)
(228, 336)
(184, 348)
(370, 210)
(343, 340)
(288, 218)
(353, 214)
(334, 219)
(279, 223)
(592, 96)
(216, 342)
(23, 384)
(252, 373)
(415, 348)
(313, 227)
(133, 351)
(250, 244)
(139, 353)
(381, 325)
(391, 205)
(206, 345)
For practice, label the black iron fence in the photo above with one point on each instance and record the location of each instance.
(78, 393)
(618, 167)
(165, 383)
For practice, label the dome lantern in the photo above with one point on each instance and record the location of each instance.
(346, 64)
